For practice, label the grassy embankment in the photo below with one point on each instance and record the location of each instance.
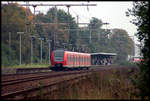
(27, 66)
(106, 84)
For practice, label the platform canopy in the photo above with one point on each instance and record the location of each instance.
(104, 54)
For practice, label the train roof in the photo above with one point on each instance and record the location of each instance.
(77, 52)
(92, 54)
(102, 53)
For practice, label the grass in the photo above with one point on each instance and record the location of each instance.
(107, 84)
(28, 65)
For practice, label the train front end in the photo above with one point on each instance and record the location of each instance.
(57, 60)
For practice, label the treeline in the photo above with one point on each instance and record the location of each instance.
(63, 35)
(140, 11)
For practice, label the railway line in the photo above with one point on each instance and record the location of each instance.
(36, 76)
(18, 87)
(22, 86)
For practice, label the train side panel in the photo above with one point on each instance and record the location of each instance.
(72, 60)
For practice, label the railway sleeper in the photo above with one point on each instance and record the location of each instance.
(33, 92)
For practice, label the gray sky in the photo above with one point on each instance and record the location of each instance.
(112, 12)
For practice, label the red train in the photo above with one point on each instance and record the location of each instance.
(61, 60)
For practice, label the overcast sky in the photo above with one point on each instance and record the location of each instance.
(112, 12)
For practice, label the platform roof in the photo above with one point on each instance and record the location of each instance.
(102, 53)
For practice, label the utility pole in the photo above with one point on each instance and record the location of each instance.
(49, 52)
(9, 46)
(67, 5)
(41, 48)
(68, 23)
(90, 31)
(64, 45)
(77, 30)
(20, 44)
(71, 47)
(27, 14)
(55, 28)
(32, 48)
(34, 14)
(106, 23)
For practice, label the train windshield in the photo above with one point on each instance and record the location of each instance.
(59, 55)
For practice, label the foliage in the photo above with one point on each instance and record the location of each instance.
(14, 22)
(20, 19)
(140, 11)
(122, 44)
(127, 64)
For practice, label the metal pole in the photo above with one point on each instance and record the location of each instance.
(9, 45)
(32, 49)
(20, 44)
(55, 34)
(20, 49)
(68, 22)
(77, 30)
(58, 4)
(134, 47)
(34, 14)
(41, 50)
(90, 33)
(49, 44)
(71, 47)
(49, 51)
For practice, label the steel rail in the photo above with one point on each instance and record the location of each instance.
(29, 90)
(16, 81)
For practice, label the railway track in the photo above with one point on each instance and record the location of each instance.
(11, 89)
(22, 86)
(36, 76)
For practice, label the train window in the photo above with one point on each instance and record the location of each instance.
(83, 59)
(86, 59)
(59, 55)
(80, 60)
(74, 58)
(68, 57)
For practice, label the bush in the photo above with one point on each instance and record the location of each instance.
(127, 63)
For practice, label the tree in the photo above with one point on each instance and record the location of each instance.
(13, 21)
(62, 35)
(122, 44)
(95, 26)
(140, 11)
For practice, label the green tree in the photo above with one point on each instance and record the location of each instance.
(122, 44)
(95, 26)
(50, 30)
(140, 11)
(13, 21)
